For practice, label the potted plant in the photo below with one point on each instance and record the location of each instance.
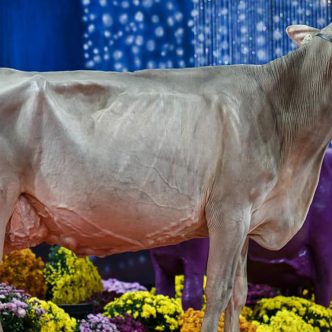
(71, 281)
(23, 270)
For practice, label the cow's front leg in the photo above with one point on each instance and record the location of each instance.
(239, 295)
(227, 233)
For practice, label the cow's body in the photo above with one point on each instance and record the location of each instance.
(104, 150)
(105, 162)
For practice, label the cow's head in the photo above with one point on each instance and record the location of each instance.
(303, 34)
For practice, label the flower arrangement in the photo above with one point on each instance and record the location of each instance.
(53, 318)
(70, 279)
(311, 313)
(286, 320)
(156, 312)
(113, 288)
(16, 313)
(24, 270)
(97, 323)
(121, 287)
(191, 321)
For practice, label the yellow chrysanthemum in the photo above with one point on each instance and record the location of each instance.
(156, 312)
(191, 321)
(71, 279)
(312, 314)
(286, 320)
(24, 270)
(54, 318)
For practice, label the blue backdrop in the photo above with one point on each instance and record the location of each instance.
(41, 35)
(134, 34)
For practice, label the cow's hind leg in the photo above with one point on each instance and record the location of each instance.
(227, 232)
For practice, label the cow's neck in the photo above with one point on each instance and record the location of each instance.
(299, 91)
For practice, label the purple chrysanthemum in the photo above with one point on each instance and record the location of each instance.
(128, 324)
(121, 287)
(97, 323)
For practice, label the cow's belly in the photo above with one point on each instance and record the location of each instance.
(95, 228)
(125, 223)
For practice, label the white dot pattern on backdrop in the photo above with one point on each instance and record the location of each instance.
(130, 35)
(251, 31)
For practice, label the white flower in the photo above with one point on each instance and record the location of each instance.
(21, 312)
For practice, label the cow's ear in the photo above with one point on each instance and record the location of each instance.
(299, 34)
